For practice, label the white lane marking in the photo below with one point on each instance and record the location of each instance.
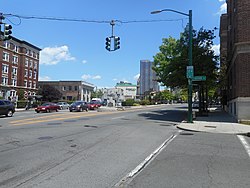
(144, 163)
(245, 144)
(118, 117)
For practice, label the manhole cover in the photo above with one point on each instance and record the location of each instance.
(70, 121)
(186, 134)
(91, 126)
(54, 123)
(209, 126)
(45, 137)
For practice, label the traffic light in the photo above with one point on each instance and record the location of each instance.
(108, 43)
(117, 43)
(7, 32)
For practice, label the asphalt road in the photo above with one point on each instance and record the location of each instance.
(85, 149)
(132, 148)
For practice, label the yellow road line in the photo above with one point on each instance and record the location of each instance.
(55, 119)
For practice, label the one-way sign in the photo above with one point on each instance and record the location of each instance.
(199, 78)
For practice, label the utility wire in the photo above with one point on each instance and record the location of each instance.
(87, 21)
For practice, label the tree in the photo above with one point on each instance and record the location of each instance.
(171, 62)
(49, 93)
(97, 94)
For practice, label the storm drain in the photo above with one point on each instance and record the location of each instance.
(185, 133)
(209, 126)
(45, 137)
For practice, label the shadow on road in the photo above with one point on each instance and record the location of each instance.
(165, 115)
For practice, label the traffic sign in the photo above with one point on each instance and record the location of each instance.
(199, 78)
(190, 71)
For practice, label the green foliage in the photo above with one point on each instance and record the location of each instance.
(171, 62)
(49, 93)
(128, 102)
(21, 94)
(145, 102)
(96, 94)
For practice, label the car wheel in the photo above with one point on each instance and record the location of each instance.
(47, 110)
(70, 110)
(56, 110)
(10, 113)
(80, 109)
(87, 109)
(61, 108)
(37, 111)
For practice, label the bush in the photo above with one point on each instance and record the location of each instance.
(144, 102)
(128, 102)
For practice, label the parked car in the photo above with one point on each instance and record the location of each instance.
(92, 105)
(7, 108)
(63, 105)
(78, 106)
(47, 107)
(97, 103)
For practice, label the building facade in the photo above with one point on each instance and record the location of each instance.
(147, 78)
(235, 52)
(19, 68)
(71, 90)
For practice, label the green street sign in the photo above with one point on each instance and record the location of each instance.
(199, 78)
(190, 71)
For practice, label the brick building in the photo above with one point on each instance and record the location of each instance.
(71, 90)
(235, 52)
(19, 66)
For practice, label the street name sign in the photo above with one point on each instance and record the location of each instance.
(199, 78)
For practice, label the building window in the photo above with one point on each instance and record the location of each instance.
(30, 84)
(70, 88)
(15, 59)
(34, 75)
(26, 72)
(30, 74)
(63, 88)
(5, 69)
(14, 82)
(25, 83)
(76, 88)
(14, 71)
(6, 56)
(6, 44)
(26, 62)
(31, 63)
(35, 65)
(34, 85)
(4, 81)
(16, 48)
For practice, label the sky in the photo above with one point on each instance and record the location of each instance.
(75, 50)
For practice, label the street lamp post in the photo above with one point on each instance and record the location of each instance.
(190, 87)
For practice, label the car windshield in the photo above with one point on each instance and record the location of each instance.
(77, 103)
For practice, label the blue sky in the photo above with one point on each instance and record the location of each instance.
(76, 50)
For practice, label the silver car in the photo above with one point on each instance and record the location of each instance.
(63, 105)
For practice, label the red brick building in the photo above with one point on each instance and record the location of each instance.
(235, 52)
(19, 66)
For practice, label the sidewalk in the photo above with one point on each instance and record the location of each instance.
(217, 121)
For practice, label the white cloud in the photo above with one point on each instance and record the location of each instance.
(216, 49)
(88, 77)
(97, 77)
(115, 79)
(136, 77)
(55, 55)
(84, 61)
(44, 78)
(223, 7)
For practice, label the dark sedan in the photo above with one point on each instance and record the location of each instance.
(7, 108)
(47, 107)
(78, 106)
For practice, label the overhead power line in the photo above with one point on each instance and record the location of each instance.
(87, 21)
